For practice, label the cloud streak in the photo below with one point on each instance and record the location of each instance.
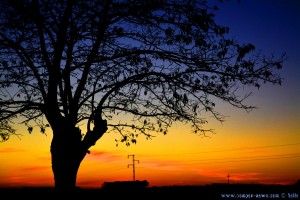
(11, 150)
(104, 156)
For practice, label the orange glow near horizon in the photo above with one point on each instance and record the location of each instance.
(179, 158)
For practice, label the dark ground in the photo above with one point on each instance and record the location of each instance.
(209, 192)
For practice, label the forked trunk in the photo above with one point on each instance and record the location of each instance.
(67, 155)
(68, 149)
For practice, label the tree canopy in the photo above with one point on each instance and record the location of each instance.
(155, 62)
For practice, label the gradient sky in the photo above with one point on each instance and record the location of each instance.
(262, 146)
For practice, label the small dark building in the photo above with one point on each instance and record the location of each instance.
(126, 185)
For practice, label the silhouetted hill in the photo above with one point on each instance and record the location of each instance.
(208, 192)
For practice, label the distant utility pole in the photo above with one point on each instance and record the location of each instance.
(133, 165)
(228, 178)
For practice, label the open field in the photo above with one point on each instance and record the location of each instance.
(213, 191)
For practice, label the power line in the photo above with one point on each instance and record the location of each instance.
(214, 160)
(201, 162)
(196, 162)
(225, 150)
(244, 159)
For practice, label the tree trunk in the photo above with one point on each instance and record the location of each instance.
(68, 149)
(67, 154)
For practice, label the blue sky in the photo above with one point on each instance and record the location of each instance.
(273, 26)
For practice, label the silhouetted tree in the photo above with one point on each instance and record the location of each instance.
(68, 62)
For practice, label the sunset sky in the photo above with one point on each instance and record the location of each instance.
(262, 146)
